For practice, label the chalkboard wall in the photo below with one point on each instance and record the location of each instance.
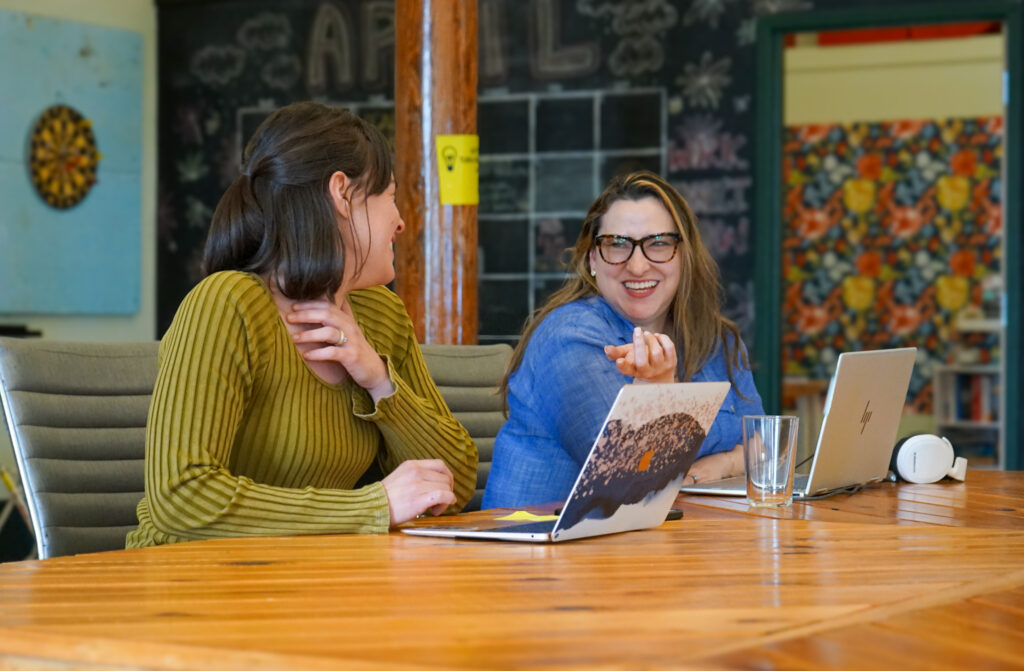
(571, 91)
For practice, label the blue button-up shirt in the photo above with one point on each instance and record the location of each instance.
(561, 393)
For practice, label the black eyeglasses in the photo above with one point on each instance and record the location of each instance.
(658, 248)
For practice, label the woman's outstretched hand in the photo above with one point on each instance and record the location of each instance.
(418, 486)
(651, 357)
(341, 340)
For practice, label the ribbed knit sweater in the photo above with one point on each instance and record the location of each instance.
(243, 439)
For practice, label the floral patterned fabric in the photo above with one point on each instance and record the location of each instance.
(890, 231)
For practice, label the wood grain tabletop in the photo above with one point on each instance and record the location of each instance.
(912, 576)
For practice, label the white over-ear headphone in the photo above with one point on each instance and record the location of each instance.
(926, 458)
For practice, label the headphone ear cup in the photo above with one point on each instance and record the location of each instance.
(925, 458)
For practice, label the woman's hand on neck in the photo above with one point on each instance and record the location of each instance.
(332, 343)
(331, 372)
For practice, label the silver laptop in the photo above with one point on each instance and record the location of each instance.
(631, 477)
(861, 418)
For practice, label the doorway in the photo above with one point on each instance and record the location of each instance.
(817, 307)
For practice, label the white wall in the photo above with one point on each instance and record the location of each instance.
(915, 79)
(138, 16)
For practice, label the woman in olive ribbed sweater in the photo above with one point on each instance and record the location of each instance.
(289, 370)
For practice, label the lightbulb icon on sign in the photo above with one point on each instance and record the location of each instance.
(449, 154)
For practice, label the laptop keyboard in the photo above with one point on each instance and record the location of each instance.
(739, 484)
(529, 528)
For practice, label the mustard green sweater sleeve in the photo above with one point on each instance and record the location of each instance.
(415, 421)
(243, 439)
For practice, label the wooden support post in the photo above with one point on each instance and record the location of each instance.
(435, 94)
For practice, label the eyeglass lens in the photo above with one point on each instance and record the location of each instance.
(618, 249)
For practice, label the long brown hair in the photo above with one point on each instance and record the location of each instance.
(276, 219)
(695, 321)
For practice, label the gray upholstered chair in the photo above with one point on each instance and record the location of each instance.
(77, 415)
(468, 377)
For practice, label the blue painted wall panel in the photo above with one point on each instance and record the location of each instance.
(83, 260)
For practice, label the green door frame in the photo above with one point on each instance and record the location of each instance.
(768, 180)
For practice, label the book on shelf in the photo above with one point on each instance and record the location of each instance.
(972, 397)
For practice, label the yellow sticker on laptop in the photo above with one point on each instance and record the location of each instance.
(526, 516)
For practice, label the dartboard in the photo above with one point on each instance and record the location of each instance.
(63, 156)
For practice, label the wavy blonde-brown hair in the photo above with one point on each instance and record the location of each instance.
(695, 321)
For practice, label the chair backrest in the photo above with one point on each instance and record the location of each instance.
(77, 418)
(468, 377)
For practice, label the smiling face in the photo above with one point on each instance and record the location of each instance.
(640, 290)
(369, 237)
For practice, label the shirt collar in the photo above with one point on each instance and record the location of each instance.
(622, 326)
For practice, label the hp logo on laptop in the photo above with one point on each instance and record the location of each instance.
(865, 418)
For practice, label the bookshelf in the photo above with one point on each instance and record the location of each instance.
(968, 396)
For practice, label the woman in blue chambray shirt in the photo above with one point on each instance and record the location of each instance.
(641, 304)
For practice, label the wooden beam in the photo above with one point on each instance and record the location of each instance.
(435, 94)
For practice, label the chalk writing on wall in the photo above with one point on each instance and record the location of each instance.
(649, 84)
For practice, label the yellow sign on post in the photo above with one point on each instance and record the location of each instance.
(458, 168)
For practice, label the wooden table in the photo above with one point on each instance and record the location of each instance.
(908, 577)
